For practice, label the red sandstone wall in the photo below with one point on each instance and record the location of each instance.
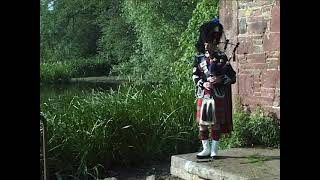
(256, 25)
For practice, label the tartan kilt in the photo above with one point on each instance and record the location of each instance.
(223, 112)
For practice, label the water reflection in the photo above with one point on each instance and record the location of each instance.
(49, 90)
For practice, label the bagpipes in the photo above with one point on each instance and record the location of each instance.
(223, 61)
(227, 42)
(223, 66)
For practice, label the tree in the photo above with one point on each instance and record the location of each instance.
(69, 29)
(158, 26)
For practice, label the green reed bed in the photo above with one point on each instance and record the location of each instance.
(89, 131)
(127, 126)
(62, 71)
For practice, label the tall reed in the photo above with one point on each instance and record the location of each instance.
(89, 130)
(52, 72)
(126, 126)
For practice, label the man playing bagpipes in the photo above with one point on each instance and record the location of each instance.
(213, 76)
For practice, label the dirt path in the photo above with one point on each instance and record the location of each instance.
(154, 171)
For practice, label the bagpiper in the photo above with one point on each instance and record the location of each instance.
(213, 76)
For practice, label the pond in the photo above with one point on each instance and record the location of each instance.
(71, 89)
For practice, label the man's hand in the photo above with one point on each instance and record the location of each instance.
(207, 85)
(215, 79)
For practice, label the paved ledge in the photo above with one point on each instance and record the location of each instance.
(232, 164)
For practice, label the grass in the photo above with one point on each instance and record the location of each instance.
(257, 159)
(131, 125)
(63, 71)
(89, 131)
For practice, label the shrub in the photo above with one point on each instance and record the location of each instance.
(253, 130)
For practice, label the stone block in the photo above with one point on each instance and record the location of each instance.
(273, 54)
(272, 63)
(254, 19)
(256, 58)
(258, 27)
(275, 21)
(242, 26)
(246, 84)
(270, 78)
(257, 48)
(271, 42)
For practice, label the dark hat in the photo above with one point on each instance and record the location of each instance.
(216, 29)
(216, 24)
(215, 21)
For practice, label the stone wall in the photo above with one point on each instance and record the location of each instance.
(256, 25)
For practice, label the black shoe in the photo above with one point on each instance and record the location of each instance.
(214, 157)
(202, 157)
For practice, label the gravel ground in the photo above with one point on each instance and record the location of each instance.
(154, 171)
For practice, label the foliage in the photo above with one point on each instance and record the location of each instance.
(135, 124)
(264, 130)
(69, 30)
(130, 125)
(158, 25)
(150, 41)
(253, 130)
(204, 11)
(117, 41)
(139, 38)
(62, 71)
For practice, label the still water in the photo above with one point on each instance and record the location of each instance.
(72, 89)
